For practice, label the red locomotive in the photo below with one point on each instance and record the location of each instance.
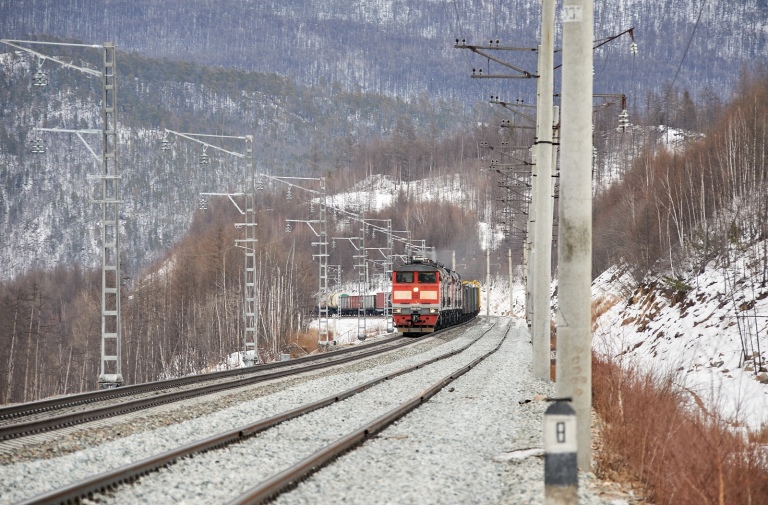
(426, 297)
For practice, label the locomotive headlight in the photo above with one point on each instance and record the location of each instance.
(416, 289)
(397, 311)
(433, 310)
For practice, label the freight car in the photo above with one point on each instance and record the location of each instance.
(344, 304)
(426, 297)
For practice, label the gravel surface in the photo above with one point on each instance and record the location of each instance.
(478, 441)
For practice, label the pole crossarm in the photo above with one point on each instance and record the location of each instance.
(506, 123)
(231, 197)
(622, 96)
(351, 241)
(381, 250)
(496, 164)
(89, 71)
(601, 42)
(79, 133)
(192, 137)
(513, 106)
(285, 180)
(521, 180)
(605, 40)
(309, 223)
(504, 147)
(481, 50)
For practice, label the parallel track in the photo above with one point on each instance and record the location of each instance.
(290, 477)
(68, 411)
(109, 481)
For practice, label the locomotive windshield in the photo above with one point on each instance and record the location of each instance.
(404, 277)
(427, 277)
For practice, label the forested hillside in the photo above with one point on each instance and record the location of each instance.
(677, 209)
(404, 47)
(46, 216)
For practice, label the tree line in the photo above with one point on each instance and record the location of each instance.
(693, 201)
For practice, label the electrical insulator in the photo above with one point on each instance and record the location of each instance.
(39, 79)
(287, 227)
(624, 119)
(633, 48)
(288, 195)
(203, 204)
(166, 144)
(204, 160)
(37, 146)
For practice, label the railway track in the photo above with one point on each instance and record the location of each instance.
(47, 415)
(468, 355)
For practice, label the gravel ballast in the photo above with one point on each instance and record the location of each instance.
(459, 447)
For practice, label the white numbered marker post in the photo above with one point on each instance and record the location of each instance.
(561, 477)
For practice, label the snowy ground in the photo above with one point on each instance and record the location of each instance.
(345, 329)
(712, 340)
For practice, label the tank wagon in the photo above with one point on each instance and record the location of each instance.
(345, 304)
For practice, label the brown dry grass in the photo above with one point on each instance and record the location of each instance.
(307, 341)
(678, 456)
(600, 305)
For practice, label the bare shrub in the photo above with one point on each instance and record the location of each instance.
(307, 342)
(680, 455)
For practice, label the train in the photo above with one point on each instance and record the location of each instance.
(427, 296)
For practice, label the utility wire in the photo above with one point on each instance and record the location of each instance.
(703, 4)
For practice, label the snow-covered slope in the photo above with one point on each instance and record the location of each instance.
(708, 332)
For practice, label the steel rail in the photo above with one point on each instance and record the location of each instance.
(109, 481)
(25, 409)
(66, 420)
(290, 477)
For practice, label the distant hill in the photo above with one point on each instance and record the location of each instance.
(405, 47)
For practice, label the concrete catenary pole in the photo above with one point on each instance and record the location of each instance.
(574, 332)
(542, 245)
(488, 281)
(511, 281)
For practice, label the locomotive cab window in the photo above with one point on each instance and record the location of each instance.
(427, 277)
(404, 277)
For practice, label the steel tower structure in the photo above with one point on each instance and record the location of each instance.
(248, 242)
(110, 370)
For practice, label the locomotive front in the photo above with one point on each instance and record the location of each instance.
(416, 296)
